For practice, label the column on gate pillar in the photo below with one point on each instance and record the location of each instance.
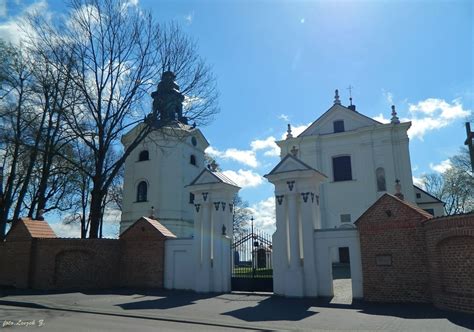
(298, 185)
(213, 194)
(280, 252)
(202, 241)
(309, 203)
(294, 275)
(222, 232)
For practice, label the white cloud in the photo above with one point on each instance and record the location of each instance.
(302, 20)
(418, 182)
(16, 28)
(246, 157)
(428, 115)
(268, 144)
(244, 178)
(67, 230)
(284, 117)
(189, 18)
(433, 114)
(264, 214)
(381, 118)
(388, 96)
(442, 166)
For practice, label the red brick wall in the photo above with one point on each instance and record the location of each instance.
(15, 263)
(450, 245)
(58, 263)
(432, 259)
(395, 230)
(75, 263)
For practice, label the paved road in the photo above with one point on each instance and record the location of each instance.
(126, 310)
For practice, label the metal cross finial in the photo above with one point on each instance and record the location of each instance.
(350, 93)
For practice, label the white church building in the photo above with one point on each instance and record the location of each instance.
(362, 158)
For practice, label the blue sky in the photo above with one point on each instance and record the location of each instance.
(278, 62)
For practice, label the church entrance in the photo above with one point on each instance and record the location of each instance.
(252, 262)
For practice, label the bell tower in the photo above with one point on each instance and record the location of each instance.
(166, 161)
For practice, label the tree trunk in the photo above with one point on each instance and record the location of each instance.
(95, 212)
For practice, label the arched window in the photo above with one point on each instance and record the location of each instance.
(338, 126)
(142, 189)
(380, 174)
(143, 155)
(341, 167)
(192, 160)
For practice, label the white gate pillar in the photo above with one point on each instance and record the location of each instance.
(298, 184)
(213, 193)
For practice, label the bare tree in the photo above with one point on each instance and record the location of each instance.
(455, 187)
(118, 52)
(16, 107)
(242, 215)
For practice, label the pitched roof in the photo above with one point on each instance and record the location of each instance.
(155, 224)
(427, 193)
(390, 196)
(207, 176)
(332, 108)
(297, 165)
(36, 228)
(162, 229)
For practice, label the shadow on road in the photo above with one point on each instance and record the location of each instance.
(275, 308)
(168, 300)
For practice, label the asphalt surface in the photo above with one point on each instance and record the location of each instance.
(152, 310)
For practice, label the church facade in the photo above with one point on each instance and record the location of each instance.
(362, 158)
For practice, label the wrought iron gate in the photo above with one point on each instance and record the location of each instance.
(252, 262)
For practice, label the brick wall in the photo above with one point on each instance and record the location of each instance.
(450, 244)
(75, 263)
(394, 258)
(137, 260)
(15, 263)
(431, 260)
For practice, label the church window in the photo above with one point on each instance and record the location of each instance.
(338, 126)
(341, 167)
(143, 155)
(142, 189)
(418, 195)
(194, 141)
(192, 160)
(380, 174)
(191, 198)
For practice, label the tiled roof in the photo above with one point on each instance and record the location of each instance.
(38, 228)
(162, 229)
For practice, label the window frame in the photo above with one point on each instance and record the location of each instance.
(338, 122)
(333, 159)
(139, 194)
(382, 171)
